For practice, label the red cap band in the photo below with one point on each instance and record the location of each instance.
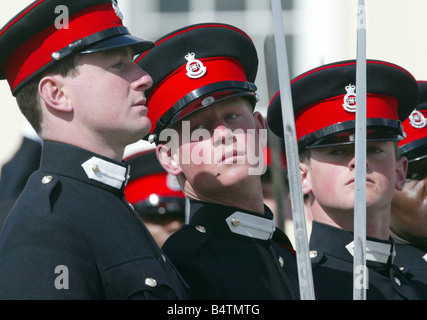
(140, 189)
(178, 84)
(312, 118)
(37, 52)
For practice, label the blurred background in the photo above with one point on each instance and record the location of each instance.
(317, 32)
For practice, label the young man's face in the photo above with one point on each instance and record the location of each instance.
(108, 96)
(331, 176)
(409, 209)
(228, 150)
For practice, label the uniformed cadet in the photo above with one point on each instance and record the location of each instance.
(324, 106)
(155, 195)
(72, 234)
(204, 89)
(409, 206)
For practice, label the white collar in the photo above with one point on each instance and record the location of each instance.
(376, 251)
(106, 172)
(251, 226)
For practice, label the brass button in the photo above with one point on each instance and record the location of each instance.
(281, 262)
(397, 281)
(47, 179)
(201, 229)
(151, 282)
(95, 168)
(235, 222)
(313, 254)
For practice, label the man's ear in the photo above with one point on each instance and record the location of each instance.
(51, 91)
(260, 124)
(401, 170)
(305, 178)
(168, 159)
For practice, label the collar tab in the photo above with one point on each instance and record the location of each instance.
(106, 172)
(376, 251)
(251, 226)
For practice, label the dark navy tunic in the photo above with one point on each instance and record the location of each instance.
(332, 265)
(219, 263)
(15, 173)
(72, 235)
(412, 261)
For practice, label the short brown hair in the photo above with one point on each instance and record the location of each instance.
(28, 96)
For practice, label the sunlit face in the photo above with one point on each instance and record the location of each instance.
(227, 150)
(107, 95)
(409, 209)
(331, 176)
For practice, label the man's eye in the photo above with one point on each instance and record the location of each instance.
(373, 150)
(231, 116)
(336, 152)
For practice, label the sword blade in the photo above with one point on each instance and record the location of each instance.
(359, 263)
(301, 240)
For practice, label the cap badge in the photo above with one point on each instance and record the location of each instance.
(417, 119)
(350, 98)
(117, 9)
(195, 68)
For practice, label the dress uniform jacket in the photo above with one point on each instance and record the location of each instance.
(229, 253)
(72, 235)
(15, 173)
(332, 263)
(412, 260)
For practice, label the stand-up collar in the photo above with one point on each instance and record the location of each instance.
(225, 219)
(339, 243)
(68, 160)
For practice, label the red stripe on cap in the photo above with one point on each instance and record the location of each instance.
(20, 17)
(413, 133)
(36, 52)
(312, 118)
(178, 84)
(141, 189)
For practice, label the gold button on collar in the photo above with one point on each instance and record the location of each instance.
(281, 262)
(397, 280)
(313, 254)
(151, 282)
(47, 179)
(201, 229)
(235, 222)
